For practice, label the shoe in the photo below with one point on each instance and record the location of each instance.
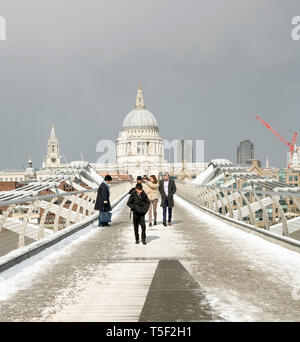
(150, 224)
(137, 242)
(165, 224)
(154, 224)
(106, 225)
(101, 225)
(144, 243)
(169, 224)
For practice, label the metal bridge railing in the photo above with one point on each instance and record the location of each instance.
(24, 221)
(275, 211)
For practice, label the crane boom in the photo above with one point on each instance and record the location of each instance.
(273, 131)
(291, 144)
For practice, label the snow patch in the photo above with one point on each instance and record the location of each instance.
(277, 262)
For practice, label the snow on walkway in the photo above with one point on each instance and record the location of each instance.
(99, 274)
(243, 273)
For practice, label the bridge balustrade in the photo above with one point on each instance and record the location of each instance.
(275, 211)
(26, 220)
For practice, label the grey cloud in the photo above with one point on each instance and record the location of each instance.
(207, 69)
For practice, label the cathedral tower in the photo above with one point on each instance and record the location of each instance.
(53, 157)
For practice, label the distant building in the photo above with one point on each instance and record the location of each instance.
(53, 157)
(289, 176)
(142, 151)
(295, 162)
(245, 151)
(250, 162)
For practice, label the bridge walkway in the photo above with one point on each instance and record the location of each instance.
(200, 269)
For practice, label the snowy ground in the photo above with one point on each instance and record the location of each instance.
(277, 264)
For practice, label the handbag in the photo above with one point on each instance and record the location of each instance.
(105, 216)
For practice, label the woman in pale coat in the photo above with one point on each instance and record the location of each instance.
(151, 189)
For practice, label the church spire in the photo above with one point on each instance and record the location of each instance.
(139, 103)
(52, 130)
(53, 157)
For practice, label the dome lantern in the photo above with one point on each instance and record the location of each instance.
(139, 103)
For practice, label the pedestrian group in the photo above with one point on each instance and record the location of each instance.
(143, 199)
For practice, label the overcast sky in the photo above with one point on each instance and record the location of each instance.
(207, 68)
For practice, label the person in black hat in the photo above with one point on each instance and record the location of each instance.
(139, 180)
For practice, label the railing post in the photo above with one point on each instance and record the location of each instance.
(229, 205)
(251, 212)
(41, 231)
(285, 230)
(57, 216)
(222, 202)
(265, 215)
(5, 215)
(214, 194)
(236, 197)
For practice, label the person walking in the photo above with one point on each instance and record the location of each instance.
(151, 190)
(139, 204)
(102, 201)
(167, 189)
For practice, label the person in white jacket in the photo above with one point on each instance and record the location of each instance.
(151, 190)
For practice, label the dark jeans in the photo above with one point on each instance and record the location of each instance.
(139, 220)
(165, 212)
(99, 219)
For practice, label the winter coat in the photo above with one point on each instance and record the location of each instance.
(171, 191)
(103, 195)
(151, 190)
(139, 204)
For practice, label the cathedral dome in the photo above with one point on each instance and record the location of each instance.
(140, 117)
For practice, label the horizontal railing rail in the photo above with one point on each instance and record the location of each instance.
(43, 197)
(292, 192)
(46, 197)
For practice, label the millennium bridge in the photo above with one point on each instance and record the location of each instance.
(231, 254)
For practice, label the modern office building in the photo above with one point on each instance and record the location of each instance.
(245, 151)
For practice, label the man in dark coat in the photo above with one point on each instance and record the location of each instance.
(102, 202)
(167, 189)
(139, 204)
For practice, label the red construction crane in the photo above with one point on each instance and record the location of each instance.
(291, 144)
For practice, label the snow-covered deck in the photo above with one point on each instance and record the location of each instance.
(199, 269)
